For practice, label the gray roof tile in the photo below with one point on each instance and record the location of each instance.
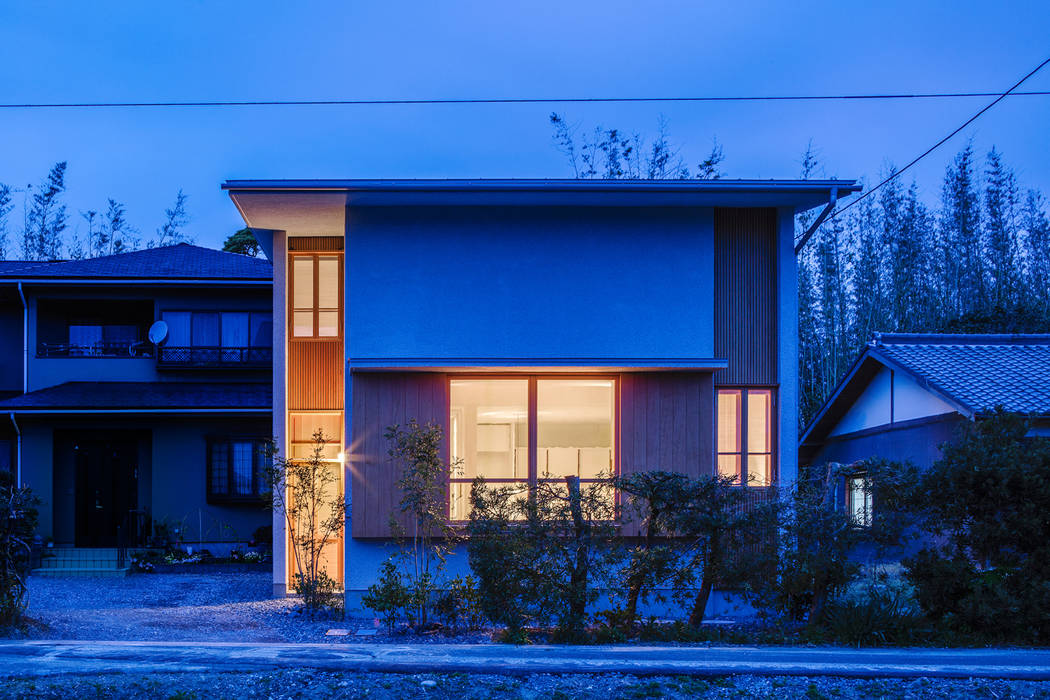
(181, 261)
(979, 371)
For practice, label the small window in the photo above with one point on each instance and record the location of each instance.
(859, 500)
(301, 430)
(236, 469)
(745, 435)
(316, 295)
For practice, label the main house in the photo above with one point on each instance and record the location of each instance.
(551, 327)
(121, 436)
(909, 393)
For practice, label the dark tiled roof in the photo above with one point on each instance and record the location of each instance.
(182, 261)
(144, 395)
(978, 371)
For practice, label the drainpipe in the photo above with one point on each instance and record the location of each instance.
(18, 450)
(25, 341)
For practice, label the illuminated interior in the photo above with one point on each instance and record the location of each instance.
(489, 421)
(315, 282)
(745, 435)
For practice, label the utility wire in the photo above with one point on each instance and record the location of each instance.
(511, 101)
(934, 147)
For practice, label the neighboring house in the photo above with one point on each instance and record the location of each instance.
(113, 432)
(907, 394)
(551, 327)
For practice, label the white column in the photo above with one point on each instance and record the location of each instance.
(280, 403)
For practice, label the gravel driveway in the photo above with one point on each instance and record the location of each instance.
(225, 607)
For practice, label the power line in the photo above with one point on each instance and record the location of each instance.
(511, 101)
(934, 147)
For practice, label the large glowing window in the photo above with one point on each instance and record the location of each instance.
(316, 296)
(302, 427)
(489, 432)
(745, 435)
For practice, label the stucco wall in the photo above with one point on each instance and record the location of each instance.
(543, 282)
(915, 441)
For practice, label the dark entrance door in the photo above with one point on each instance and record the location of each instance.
(106, 488)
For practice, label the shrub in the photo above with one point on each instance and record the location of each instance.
(988, 497)
(881, 614)
(539, 554)
(18, 520)
(388, 596)
(458, 606)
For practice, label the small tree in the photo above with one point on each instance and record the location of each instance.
(307, 492)
(18, 520)
(242, 242)
(423, 484)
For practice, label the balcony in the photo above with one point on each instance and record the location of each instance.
(119, 349)
(197, 357)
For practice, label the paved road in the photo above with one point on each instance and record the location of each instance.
(38, 658)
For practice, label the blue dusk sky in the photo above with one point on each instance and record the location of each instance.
(195, 50)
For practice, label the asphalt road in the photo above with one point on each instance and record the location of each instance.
(43, 658)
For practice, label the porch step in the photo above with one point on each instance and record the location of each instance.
(79, 561)
(83, 572)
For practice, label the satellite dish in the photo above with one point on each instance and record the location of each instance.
(158, 332)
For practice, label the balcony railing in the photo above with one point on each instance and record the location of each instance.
(100, 349)
(211, 357)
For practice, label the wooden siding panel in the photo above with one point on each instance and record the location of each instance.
(381, 400)
(315, 375)
(315, 244)
(666, 423)
(746, 295)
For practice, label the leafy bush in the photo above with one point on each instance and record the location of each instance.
(816, 561)
(458, 606)
(540, 555)
(988, 498)
(18, 520)
(388, 596)
(882, 614)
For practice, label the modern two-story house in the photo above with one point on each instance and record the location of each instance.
(117, 433)
(551, 327)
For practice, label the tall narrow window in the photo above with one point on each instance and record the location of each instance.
(316, 296)
(489, 432)
(745, 435)
(858, 500)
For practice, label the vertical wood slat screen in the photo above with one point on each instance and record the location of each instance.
(380, 400)
(315, 375)
(746, 295)
(667, 424)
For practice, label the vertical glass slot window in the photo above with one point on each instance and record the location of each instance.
(327, 296)
(745, 435)
(729, 433)
(316, 296)
(243, 467)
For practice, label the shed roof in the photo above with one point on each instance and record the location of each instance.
(176, 262)
(122, 397)
(975, 373)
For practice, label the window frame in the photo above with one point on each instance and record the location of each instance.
(340, 439)
(742, 437)
(865, 521)
(259, 486)
(533, 424)
(252, 314)
(315, 309)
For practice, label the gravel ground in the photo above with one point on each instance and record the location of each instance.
(227, 607)
(317, 686)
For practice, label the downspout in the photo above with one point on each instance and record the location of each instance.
(18, 450)
(25, 341)
(820, 219)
